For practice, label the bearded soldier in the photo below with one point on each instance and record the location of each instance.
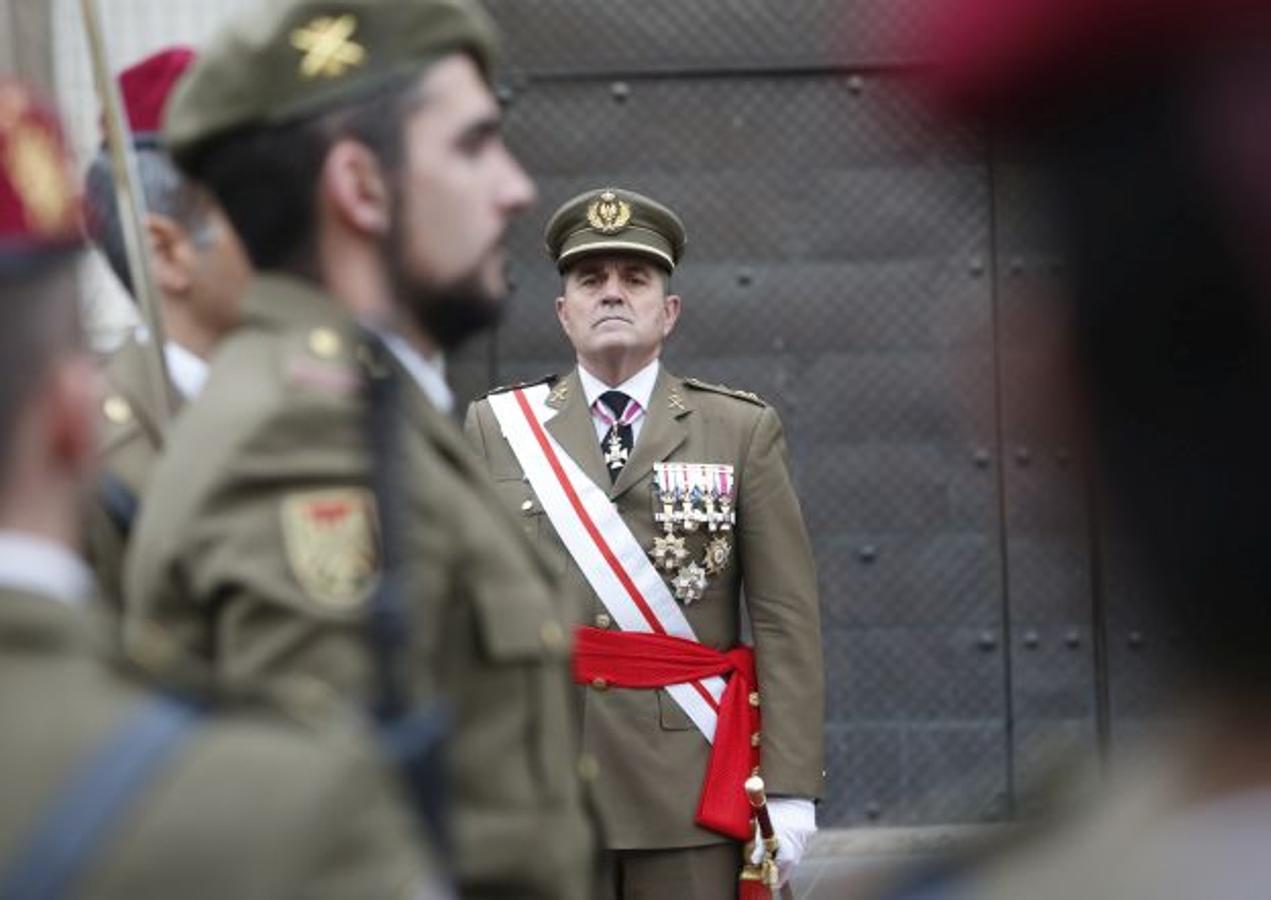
(355, 146)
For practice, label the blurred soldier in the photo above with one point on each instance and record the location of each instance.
(356, 149)
(200, 272)
(112, 790)
(1151, 125)
(671, 496)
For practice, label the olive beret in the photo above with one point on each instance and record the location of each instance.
(285, 60)
(613, 220)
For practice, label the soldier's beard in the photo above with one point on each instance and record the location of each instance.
(449, 314)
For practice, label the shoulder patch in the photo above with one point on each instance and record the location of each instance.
(333, 544)
(749, 396)
(546, 379)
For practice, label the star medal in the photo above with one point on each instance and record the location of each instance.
(689, 584)
(717, 553)
(615, 453)
(669, 552)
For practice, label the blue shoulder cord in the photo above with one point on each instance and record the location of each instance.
(104, 787)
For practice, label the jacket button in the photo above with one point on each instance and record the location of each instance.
(588, 768)
(527, 506)
(754, 699)
(553, 636)
(754, 739)
(600, 684)
(603, 621)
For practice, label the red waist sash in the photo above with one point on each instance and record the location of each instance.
(629, 659)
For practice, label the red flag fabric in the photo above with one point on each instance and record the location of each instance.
(644, 661)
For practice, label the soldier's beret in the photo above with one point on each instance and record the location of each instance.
(1010, 56)
(146, 86)
(39, 204)
(613, 220)
(286, 60)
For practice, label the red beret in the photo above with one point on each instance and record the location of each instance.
(145, 87)
(39, 205)
(1001, 56)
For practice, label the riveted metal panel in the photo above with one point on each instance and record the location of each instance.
(586, 36)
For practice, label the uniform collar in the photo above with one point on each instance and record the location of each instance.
(187, 371)
(276, 300)
(430, 375)
(36, 565)
(639, 387)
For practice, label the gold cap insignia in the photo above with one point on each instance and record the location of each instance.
(331, 544)
(328, 46)
(36, 168)
(607, 214)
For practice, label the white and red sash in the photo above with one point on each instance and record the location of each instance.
(601, 544)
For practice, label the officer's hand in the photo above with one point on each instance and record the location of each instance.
(793, 823)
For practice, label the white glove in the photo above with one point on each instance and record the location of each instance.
(793, 823)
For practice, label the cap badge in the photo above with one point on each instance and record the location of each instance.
(328, 46)
(608, 214)
(35, 166)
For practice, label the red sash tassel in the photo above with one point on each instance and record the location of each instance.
(628, 659)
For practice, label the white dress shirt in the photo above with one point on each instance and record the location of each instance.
(187, 371)
(40, 566)
(639, 387)
(430, 375)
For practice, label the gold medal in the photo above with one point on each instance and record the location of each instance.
(718, 552)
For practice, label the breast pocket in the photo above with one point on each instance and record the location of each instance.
(671, 716)
(527, 690)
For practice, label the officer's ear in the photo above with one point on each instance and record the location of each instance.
(355, 188)
(171, 254)
(671, 311)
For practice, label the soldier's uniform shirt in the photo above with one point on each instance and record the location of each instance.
(256, 551)
(131, 436)
(254, 804)
(651, 757)
(639, 387)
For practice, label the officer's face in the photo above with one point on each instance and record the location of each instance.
(617, 305)
(459, 188)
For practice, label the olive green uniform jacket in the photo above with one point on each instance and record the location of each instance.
(253, 804)
(651, 757)
(257, 551)
(131, 433)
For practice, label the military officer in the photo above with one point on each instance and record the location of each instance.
(371, 128)
(112, 789)
(663, 498)
(200, 271)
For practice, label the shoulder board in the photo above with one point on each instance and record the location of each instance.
(546, 379)
(748, 396)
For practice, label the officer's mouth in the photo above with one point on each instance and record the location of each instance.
(605, 319)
